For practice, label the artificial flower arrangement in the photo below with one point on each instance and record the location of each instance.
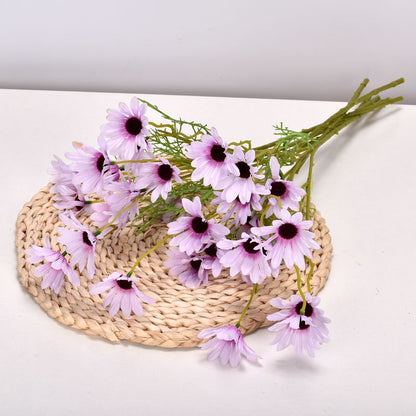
(228, 207)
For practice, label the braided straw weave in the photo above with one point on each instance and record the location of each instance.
(179, 313)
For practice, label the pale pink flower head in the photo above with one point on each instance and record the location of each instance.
(246, 256)
(123, 294)
(293, 240)
(80, 244)
(287, 191)
(126, 129)
(241, 212)
(228, 345)
(54, 269)
(194, 230)
(211, 161)
(158, 178)
(241, 184)
(121, 200)
(191, 270)
(212, 257)
(67, 195)
(305, 332)
(92, 168)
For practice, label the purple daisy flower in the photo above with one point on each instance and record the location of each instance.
(194, 231)
(79, 244)
(92, 168)
(191, 269)
(212, 258)
(241, 184)
(245, 256)
(123, 294)
(121, 199)
(135, 168)
(61, 173)
(293, 241)
(126, 129)
(66, 194)
(287, 191)
(211, 161)
(228, 345)
(305, 332)
(54, 269)
(158, 178)
(241, 212)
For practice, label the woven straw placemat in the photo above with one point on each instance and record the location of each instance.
(179, 313)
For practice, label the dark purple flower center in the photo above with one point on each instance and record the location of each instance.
(244, 169)
(278, 188)
(196, 264)
(211, 250)
(308, 309)
(134, 126)
(124, 283)
(288, 231)
(308, 312)
(199, 225)
(218, 153)
(86, 238)
(100, 163)
(165, 172)
(250, 246)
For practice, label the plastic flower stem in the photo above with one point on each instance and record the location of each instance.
(306, 141)
(151, 250)
(310, 274)
(100, 230)
(309, 187)
(93, 202)
(253, 292)
(122, 162)
(302, 295)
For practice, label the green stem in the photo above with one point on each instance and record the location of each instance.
(302, 295)
(253, 292)
(151, 250)
(100, 230)
(309, 187)
(310, 274)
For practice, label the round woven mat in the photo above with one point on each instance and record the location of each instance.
(179, 313)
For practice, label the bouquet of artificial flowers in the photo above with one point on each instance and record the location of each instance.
(228, 208)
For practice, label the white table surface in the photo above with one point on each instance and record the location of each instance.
(364, 186)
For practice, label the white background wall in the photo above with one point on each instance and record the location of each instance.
(303, 49)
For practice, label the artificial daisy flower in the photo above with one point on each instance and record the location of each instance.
(228, 345)
(241, 184)
(241, 212)
(247, 257)
(61, 173)
(126, 129)
(140, 154)
(194, 231)
(121, 198)
(190, 269)
(67, 195)
(287, 191)
(212, 258)
(123, 294)
(305, 332)
(293, 241)
(211, 161)
(54, 269)
(158, 178)
(80, 244)
(92, 168)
